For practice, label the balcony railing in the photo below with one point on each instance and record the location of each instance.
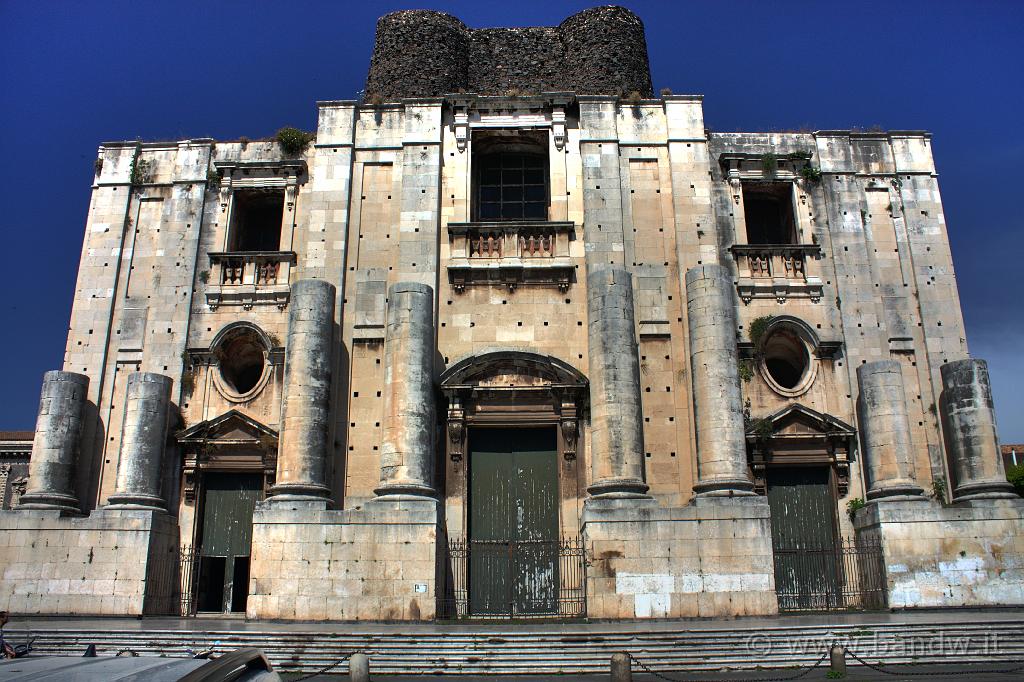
(777, 271)
(510, 253)
(249, 278)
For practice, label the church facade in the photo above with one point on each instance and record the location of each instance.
(514, 337)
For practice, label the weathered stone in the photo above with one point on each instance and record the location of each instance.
(55, 448)
(971, 437)
(616, 412)
(305, 411)
(718, 403)
(885, 432)
(144, 432)
(408, 443)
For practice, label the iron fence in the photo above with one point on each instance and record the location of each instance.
(513, 579)
(847, 576)
(170, 583)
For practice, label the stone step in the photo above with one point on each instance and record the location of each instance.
(558, 650)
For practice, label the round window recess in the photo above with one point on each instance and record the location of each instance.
(786, 362)
(242, 360)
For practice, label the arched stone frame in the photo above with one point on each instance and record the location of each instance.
(272, 357)
(816, 349)
(512, 388)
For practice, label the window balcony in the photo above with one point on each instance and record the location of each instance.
(510, 253)
(778, 271)
(249, 278)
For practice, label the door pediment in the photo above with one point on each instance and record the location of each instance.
(230, 442)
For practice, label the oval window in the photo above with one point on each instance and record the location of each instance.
(786, 361)
(242, 360)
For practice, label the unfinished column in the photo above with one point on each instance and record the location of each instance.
(885, 432)
(971, 437)
(142, 442)
(303, 446)
(406, 460)
(616, 415)
(55, 446)
(714, 369)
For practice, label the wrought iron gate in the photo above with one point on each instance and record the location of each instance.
(494, 579)
(848, 575)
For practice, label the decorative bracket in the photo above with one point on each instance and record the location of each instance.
(570, 430)
(558, 126)
(461, 128)
(456, 430)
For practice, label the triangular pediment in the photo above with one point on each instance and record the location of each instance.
(232, 427)
(799, 421)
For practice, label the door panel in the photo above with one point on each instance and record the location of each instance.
(513, 521)
(228, 503)
(804, 538)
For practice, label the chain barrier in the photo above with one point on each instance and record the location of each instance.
(877, 668)
(846, 649)
(323, 670)
(797, 676)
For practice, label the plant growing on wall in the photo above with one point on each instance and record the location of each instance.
(769, 163)
(763, 429)
(746, 368)
(939, 489)
(141, 171)
(810, 173)
(293, 141)
(853, 505)
(757, 329)
(633, 97)
(214, 176)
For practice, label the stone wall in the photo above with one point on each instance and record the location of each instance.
(102, 564)
(422, 53)
(711, 558)
(970, 554)
(371, 563)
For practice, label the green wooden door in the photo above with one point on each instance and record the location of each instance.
(513, 521)
(228, 503)
(807, 559)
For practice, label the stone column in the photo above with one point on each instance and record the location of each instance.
(714, 370)
(971, 438)
(885, 432)
(58, 428)
(143, 436)
(303, 447)
(616, 415)
(407, 451)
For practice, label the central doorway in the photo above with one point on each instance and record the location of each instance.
(228, 503)
(513, 521)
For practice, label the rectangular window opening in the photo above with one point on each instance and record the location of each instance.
(768, 209)
(256, 217)
(510, 178)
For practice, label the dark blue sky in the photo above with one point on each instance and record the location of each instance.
(75, 74)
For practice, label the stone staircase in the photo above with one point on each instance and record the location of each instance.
(560, 648)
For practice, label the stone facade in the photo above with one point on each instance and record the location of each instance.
(281, 368)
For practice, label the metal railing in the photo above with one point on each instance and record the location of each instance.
(513, 579)
(847, 576)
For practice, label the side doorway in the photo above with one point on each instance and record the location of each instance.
(228, 501)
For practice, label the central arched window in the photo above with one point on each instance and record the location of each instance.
(510, 175)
